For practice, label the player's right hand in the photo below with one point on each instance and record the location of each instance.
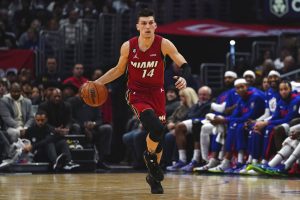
(180, 82)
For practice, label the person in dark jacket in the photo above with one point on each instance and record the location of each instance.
(47, 146)
(195, 114)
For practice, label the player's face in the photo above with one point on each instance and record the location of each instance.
(273, 81)
(284, 90)
(241, 89)
(265, 84)
(146, 26)
(250, 79)
(228, 80)
(40, 120)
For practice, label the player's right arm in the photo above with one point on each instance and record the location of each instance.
(119, 69)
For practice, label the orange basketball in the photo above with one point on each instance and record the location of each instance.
(94, 94)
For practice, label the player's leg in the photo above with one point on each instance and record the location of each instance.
(206, 131)
(283, 154)
(154, 127)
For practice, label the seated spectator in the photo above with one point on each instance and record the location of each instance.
(265, 85)
(77, 79)
(16, 112)
(51, 74)
(7, 39)
(172, 100)
(3, 88)
(278, 62)
(196, 113)
(47, 146)
(135, 142)
(26, 90)
(188, 97)
(73, 25)
(29, 40)
(68, 91)
(88, 120)
(59, 113)
(12, 75)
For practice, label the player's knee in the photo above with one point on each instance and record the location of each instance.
(196, 128)
(152, 124)
(294, 122)
(180, 127)
(206, 129)
(279, 130)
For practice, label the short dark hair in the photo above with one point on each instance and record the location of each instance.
(41, 112)
(286, 82)
(145, 12)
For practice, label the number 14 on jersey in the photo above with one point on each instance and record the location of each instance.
(148, 73)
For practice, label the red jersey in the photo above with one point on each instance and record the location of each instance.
(145, 69)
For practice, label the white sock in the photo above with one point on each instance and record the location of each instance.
(196, 155)
(205, 140)
(249, 159)
(241, 157)
(182, 155)
(221, 153)
(275, 161)
(295, 155)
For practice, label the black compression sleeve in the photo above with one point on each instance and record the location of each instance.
(186, 71)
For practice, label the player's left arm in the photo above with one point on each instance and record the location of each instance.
(168, 48)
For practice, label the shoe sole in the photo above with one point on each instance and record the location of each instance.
(150, 182)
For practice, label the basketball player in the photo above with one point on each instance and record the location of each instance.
(142, 58)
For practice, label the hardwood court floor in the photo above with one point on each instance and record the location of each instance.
(115, 186)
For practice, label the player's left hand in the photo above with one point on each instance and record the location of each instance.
(180, 83)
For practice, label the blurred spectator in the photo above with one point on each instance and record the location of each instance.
(11, 75)
(23, 18)
(265, 84)
(264, 69)
(29, 39)
(25, 75)
(48, 147)
(89, 10)
(16, 112)
(72, 26)
(36, 96)
(48, 88)
(7, 39)
(26, 90)
(69, 90)
(289, 64)
(172, 100)
(106, 108)
(58, 112)
(56, 8)
(88, 120)
(278, 62)
(3, 87)
(52, 25)
(105, 6)
(96, 74)
(77, 79)
(120, 6)
(51, 74)
(188, 126)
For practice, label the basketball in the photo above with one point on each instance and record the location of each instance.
(94, 94)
